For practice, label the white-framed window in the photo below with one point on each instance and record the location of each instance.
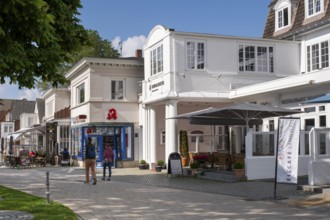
(195, 55)
(50, 108)
(283, 18)
(196, 133)
(81, 93)
(156, 60)
(317, 56)
(162, 137)
(256, 58)
(30, 122)
(8, 128)
(117, 89)
(282, 14)
(313, 7)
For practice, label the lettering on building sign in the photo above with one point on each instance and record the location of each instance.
(89, 130)
(112, 114)
(154, 86)
(79, 119)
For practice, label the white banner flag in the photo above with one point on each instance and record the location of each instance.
(288, 149)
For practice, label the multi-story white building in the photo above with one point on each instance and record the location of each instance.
(104, 106)
(185, 72)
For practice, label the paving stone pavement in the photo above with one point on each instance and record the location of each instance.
(143, 194)
(12, 215)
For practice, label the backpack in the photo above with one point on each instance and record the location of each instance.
(91, 151)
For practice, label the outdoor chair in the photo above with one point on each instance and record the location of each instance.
(222, 160)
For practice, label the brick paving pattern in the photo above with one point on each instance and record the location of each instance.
(143, 194)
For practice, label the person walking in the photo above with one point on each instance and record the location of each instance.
(107, 161)
(90, 155)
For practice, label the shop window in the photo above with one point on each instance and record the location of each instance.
(322, 108)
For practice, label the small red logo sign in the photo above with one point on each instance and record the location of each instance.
(112, 114)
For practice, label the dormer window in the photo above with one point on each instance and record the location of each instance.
(282, 14)
(313, 7)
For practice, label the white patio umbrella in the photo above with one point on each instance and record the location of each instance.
(237, 114)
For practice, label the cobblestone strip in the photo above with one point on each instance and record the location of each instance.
(14, 215)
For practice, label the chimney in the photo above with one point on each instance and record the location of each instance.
(138, 53)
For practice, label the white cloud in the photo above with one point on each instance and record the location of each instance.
(11, 91)
(29, 94)
(130, 45)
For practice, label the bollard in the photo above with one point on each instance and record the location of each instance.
(47, 188)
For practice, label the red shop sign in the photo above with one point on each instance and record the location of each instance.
(112, 114)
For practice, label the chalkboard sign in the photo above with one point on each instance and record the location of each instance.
(174, 164)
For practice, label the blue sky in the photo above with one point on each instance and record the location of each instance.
(130, 21)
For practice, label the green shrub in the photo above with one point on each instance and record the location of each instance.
(194, 165)
(160, 163)
(239, 165)
(143, 162)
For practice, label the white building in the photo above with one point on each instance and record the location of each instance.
(104, 106)
(185, 72)
(56, 121)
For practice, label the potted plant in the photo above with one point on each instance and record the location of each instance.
(159, 165)
(184, 148)
(193, 167)
(143, 165)
(239, 170)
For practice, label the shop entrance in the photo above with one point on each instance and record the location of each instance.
(117, 140)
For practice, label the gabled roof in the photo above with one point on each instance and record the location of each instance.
(300, 25)
(21, 106)
(3, 115)
(5, 104)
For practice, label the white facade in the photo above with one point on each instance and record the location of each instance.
(177, 89)
(55, 100)
(104, 92)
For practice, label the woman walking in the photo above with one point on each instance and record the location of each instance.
(107, 161)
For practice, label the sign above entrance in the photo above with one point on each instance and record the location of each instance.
(112, 114)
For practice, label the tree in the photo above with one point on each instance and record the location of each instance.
(37, 37)
(95, 46)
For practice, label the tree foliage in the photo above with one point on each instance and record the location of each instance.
(37, 37)
(94, 46)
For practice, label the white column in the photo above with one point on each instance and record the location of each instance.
(171, 129)
(197, 143)
(152, 134)
(145, 145)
